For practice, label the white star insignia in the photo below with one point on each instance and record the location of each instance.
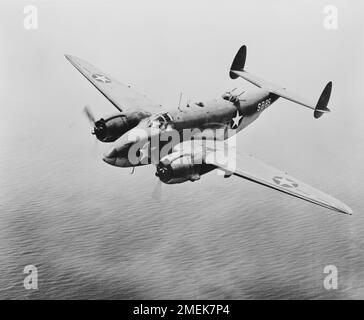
(285, 182)
(236, 120)
(101, 78)
(144, 151)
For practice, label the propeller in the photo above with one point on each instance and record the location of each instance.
(157, 191)
(89, 114)
(91, 118)
(99, 126)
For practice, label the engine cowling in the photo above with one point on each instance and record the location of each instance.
(112, 128)
(178, 168)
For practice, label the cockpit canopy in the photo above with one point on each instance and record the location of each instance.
(230, 96)
(160, 120)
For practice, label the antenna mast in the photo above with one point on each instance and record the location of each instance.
(179, 103)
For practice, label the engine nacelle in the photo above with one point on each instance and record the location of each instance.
(178, 168)
(112, 128)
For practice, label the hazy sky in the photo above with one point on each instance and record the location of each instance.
(165, 47)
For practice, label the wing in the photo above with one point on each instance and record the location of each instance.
(120, 95)
(257, 171)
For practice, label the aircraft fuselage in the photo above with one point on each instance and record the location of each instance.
(213, 119)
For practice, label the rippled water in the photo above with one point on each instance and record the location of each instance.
(95, 231)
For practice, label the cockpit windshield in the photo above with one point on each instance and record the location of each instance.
(230, 96)
(160, 120)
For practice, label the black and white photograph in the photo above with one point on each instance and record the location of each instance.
(182, 150)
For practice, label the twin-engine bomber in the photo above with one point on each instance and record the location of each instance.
(141, 132)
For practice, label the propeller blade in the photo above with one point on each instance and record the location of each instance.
(89, 114)
(95, 150)
(96, 145)
(157, 191)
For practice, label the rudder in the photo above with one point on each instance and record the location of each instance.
(321, 106)
(238, 62)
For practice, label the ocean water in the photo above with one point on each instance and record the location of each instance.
(95, 232)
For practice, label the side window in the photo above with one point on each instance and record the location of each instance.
(156, 124)
(161, 121)
(168, 117)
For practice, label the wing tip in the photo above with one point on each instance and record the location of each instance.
(343, 208)
(348, 211)
(72, 59)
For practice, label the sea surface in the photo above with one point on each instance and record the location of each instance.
(95, 231)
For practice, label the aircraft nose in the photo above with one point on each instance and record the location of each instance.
(112, 153)
(114, 158)
(111, 161)
(110, 156)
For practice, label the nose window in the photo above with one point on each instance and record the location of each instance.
(125, 149)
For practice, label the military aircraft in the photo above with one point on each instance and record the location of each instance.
(144, 132)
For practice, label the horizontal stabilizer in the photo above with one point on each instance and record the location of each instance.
(237, 70)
